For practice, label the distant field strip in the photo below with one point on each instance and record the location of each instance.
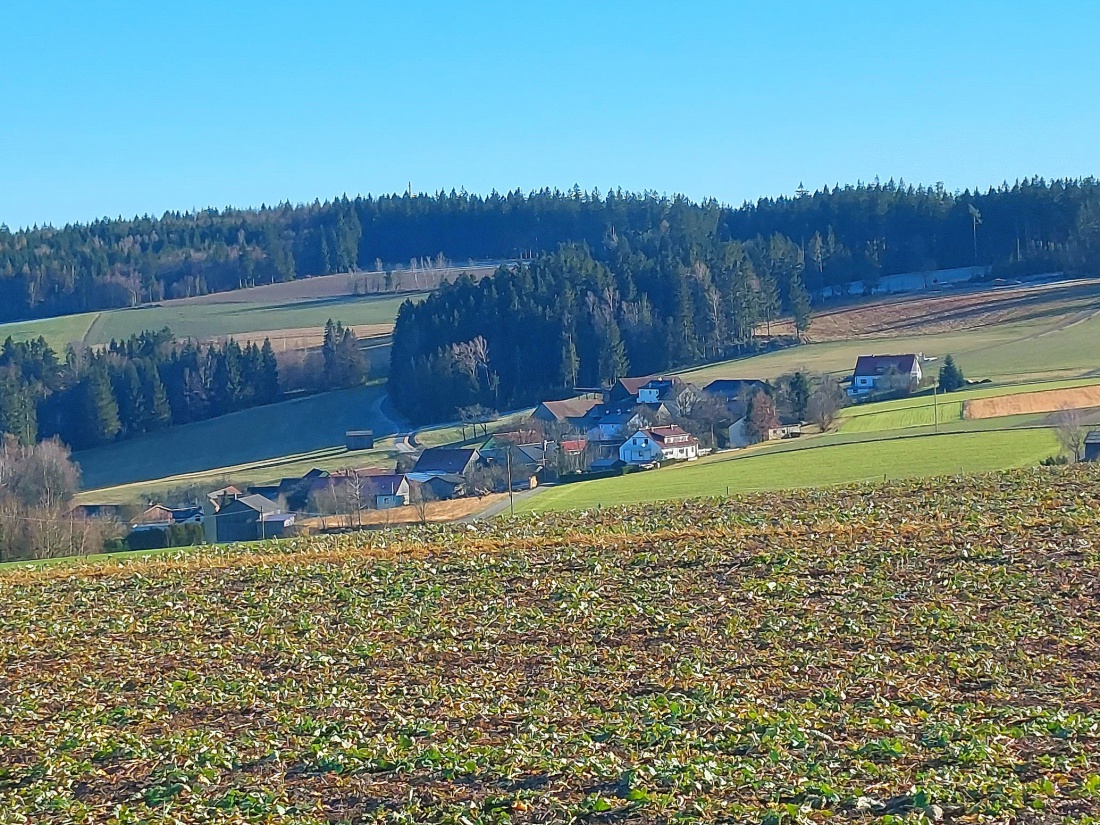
(1032, 402)
(921, 410)
(816, 465)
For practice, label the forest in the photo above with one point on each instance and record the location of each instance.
(147, 383)
(848, 233)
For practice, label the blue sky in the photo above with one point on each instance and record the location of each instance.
(111, 108)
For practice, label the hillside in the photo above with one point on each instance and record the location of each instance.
(915, 652)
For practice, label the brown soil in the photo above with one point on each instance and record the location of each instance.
(1032, 402)
(920, 314)
(436, 511)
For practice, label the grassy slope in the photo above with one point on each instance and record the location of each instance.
(215, 320)
(58, 332)
(818, 463)
(1034, 349)
(920, 411)
(307, 425)
(779, 658)
(209, 320)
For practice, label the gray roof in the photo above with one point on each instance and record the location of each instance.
(1093, 437)
(258, 503)
(445, 460)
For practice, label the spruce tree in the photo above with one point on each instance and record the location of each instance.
(951, 376)
(98, 409)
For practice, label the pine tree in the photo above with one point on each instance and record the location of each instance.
(951, 376)
(800, 305)
(158, 414)
(18, 412)
(98, 409)
(268, 379)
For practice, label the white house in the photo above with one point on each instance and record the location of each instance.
(873, 371)
(659, 444)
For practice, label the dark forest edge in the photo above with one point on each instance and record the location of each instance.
(149, 382)
(849, 233)
(700, 283)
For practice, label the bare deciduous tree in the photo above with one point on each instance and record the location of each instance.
(1071, 431)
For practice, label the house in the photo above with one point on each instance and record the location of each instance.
(614, 426)
(447, 461)
(220, 496)
(674, 394)
(624, 392)
(1092, 446)
(659, 444)
(604, 465)
(576, 413)
(160, 517)
(390, 490)
(879, 372)
(246, 519)
(734, 390)
(437, 487)
(739, 437)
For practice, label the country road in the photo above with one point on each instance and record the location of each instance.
(498, 507)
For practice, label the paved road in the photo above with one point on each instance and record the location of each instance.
(500, 507)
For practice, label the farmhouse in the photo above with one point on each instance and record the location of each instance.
(876, 372)
(576, 413)
(1092, 446)
(390, 490)
(659, 444)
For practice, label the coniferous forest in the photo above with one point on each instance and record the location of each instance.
(846, 233)
(612, 283)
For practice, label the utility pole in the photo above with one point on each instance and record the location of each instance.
(936, 408)
(508, 465)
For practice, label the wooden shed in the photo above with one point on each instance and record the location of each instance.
(359, 439)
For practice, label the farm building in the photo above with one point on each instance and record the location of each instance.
(659, 444)
(359, 439)
(447, 461)
(733, 390)
(738, 437)
(576, 413)
(159, 517)
(1092, 446)
(624, 392)
(876, 372)
(246, 519)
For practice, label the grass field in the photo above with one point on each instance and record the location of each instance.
(194, 318)
(303, 427)
(1053, 334)
(921, 411)
(913, 652)
(815, 463)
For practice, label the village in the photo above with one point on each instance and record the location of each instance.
(636, 424)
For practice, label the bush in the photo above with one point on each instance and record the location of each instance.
(1054, 460)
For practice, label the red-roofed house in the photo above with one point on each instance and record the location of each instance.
(659, 444)
(872, 372)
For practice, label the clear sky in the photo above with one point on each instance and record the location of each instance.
(111, 108)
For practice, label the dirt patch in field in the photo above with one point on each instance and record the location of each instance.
(916, 314)
(1077, 398)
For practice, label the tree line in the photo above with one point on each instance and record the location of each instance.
(148, 382)
(845, 234)
(639, 303)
